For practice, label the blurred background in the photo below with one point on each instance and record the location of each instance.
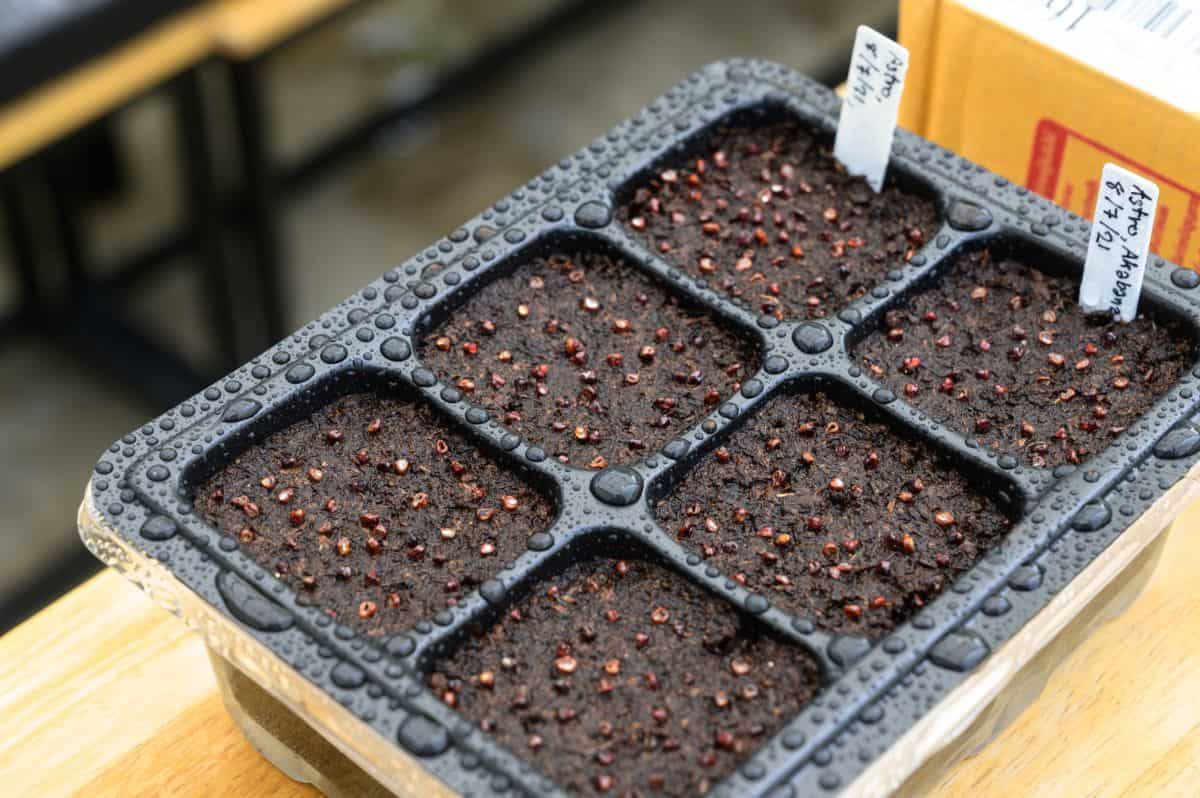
(183, 182)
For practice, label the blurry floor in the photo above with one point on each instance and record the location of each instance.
(411, 186)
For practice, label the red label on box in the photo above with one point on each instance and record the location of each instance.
(1064, 166)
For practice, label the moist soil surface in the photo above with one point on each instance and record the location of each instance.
(621, 678)
(375, 510)
(1001, 352)
(832, 516)
(588, 358)
(767, 215)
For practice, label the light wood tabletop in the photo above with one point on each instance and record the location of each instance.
(247, 28)
(105, 694)
(238, 29)
(104, 83)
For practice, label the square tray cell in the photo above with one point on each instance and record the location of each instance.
(581, 353)
(760, 209)
(621, 677)
(374, 509)
(998, 349)
(832, 515)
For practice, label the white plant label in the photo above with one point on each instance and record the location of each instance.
(868, 121)
(1120, 243)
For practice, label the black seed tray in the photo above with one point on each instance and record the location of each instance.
(369, 695)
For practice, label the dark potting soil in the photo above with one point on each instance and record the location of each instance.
(1001, 352)
(375, 510)
(587, 357)
(833, 516)
(620, 677)
(767, 215)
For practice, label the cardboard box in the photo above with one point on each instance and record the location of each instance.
(1046, 93)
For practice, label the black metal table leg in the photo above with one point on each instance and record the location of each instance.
(260, 189)
(203, 214)
(22, 252)
(67, 214)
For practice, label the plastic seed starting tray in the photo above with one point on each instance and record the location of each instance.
(887, 704)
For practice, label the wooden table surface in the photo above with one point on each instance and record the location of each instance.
(105, 694)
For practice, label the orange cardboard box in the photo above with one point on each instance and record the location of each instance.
(1031, 91)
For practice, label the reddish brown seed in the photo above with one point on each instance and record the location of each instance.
(285, 495)
(1055, 359)
(296, 517)
(722, 454)
(646, 353)
(979, 293)
(943, 518)
(246, 535)
(908, 544)
(724, 740)
(486, 549)
(660, 615)
(566, 665)
(343, 546)
(837, 485)
(523, 311)
(1121, 383)
(853, 611)
(367, 609)
(419, 500)
(334, 436)
(315, 475)
(660, 715)
(589, 304)
(1083, 364)
(268, 482)
(374, 427)
(612, 616)
(603, 782)
(400, 467)
(373, 546)
(739, 667)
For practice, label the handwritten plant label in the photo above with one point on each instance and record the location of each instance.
(1120, 243)
(868, 121)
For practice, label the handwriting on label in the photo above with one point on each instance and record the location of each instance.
(868, 120)
(1119, 244)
